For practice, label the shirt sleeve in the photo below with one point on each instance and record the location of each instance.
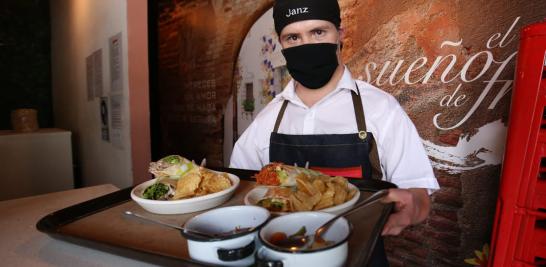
(403, 158)
(247, 154)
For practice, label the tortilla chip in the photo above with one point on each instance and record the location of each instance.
(214, 182)
(312, 200)
(323, 178)
(326, 200)
(297, 205)
(305, 185)
(340, 193)
(319, 185)
(300, 201)
(350, 194)
(341, 181)
(200, 192)
(187, 185)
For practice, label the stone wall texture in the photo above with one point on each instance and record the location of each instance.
(395, 45)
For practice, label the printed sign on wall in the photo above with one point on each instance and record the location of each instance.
(93, 64)
(116, 64)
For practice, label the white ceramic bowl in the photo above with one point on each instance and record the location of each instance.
(183, 205)
(257, 193)
(233, 250)
(333, 255)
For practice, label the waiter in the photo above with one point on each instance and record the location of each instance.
(337, 124)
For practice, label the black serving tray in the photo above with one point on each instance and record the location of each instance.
(99, 223)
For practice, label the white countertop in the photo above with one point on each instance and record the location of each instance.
(28, 164)
(21, 244)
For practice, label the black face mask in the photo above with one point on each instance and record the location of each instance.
(312, 65)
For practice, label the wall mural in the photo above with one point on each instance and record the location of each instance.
(480, 66)
(261, 74)
(449, 63)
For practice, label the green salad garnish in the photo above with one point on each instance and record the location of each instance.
(301, 232)
(172, 159)
(155, 191)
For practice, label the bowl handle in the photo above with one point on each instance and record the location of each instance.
(262, 262)
(235, 254)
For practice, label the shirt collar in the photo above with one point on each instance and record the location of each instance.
(345, 83)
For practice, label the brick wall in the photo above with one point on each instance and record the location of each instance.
(199, 43)
(198, 46)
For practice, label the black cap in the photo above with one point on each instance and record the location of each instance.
(289, 11)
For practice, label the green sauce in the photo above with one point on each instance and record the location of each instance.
(155, 191)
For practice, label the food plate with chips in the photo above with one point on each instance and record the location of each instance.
(189, 204)
(258, 193)
(284, 188)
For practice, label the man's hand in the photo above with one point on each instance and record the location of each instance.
(411, 206)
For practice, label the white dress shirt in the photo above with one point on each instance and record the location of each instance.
(401, 153)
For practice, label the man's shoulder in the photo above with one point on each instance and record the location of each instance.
(376, 97)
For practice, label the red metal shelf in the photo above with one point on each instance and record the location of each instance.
(532, 243)
(519, 234)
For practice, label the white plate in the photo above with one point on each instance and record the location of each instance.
(183, 205)
(257, 193)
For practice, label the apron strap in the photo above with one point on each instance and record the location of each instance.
(359, 114)
(362, 133)
(279, 117)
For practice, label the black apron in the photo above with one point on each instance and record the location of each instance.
(334, 154)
